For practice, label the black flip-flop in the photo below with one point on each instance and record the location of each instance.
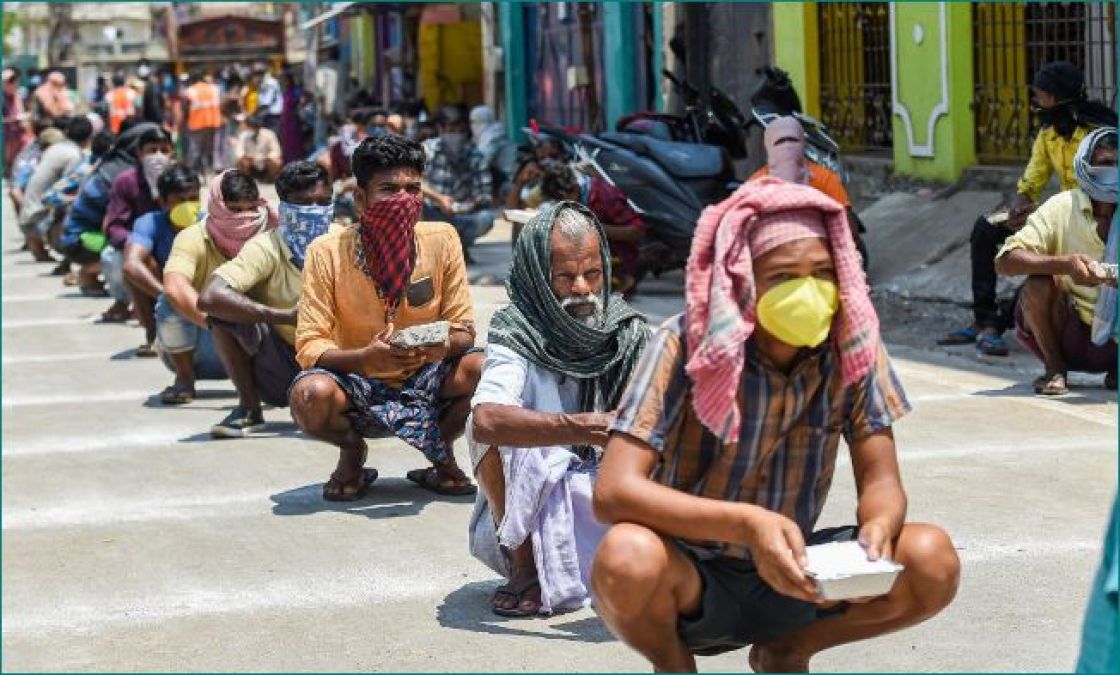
(518, 594)
(176, 395)
(421, 478)
(368, 477)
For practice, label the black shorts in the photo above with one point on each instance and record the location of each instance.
(738, 608)
(274, 360)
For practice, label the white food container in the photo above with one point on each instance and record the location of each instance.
(842, 571)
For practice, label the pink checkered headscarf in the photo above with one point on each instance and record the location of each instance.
(720, 293)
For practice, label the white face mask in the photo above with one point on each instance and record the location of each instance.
(153, 165)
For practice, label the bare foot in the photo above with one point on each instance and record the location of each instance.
(765, 658)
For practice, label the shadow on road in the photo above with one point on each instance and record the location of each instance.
(468, 608)
(199, 395)
(270, 430)
(1078, 394)
(387, 498)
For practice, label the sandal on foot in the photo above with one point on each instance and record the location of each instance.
(431, 479)
(1051, 384)
(333, 491)
(146, 351)
(93, 291)
(176, 394)
(61, 270)
(991, 345)
(1110, 381)
(518, 594)
(964, 336)
(115, 315)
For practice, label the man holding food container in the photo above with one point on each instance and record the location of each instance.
(385, 329)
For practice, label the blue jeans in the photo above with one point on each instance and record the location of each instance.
(470, 226)
(112, 266)
(177, 335)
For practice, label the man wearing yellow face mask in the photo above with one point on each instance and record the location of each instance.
(720, 459)
(150, 242)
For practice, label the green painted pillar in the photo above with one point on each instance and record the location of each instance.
(931, 62)
(511, 16)
(619, 60)
(795, 50)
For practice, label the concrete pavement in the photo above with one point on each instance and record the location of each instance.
(133, 542)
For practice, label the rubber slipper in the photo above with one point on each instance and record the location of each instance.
(93, 292)
(146, 351)
(339, 494)
(176, 395)
(991, 345)
(1050, 385)
(518, 594)
(424, 479)
(964, 336)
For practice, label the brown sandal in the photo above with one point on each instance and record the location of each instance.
(1051, 384)
(433, 479)
(334, 491)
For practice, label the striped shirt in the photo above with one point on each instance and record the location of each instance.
(791, 428)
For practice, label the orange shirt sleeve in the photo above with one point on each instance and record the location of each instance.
(316, 318)
(829, 183)
(456, 304)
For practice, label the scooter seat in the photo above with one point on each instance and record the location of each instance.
(683, 160)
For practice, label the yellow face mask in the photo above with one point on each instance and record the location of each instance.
(185, 214)
(799, 311)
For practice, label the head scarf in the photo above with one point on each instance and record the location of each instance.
(387, 246)
(1100, 184)
(786, 160)
(1060, 79)
(231, 229)
(538, 328)
(485, 126)
(720, 294)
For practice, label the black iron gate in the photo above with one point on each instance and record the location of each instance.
(1011, 41)
(856, 74)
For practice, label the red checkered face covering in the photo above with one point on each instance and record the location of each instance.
(387, 243)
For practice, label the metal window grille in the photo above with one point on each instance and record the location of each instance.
(1012, 40)
(856, 74)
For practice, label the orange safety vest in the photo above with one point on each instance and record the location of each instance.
(205, 102)
(122, 105)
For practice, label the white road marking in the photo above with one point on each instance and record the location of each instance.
(363, 585)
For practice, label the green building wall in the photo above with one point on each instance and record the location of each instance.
(932, 82)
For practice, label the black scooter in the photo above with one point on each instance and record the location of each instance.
(668, 182)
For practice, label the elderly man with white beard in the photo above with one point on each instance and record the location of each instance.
(558, 359)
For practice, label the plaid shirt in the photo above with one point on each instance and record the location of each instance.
(791, 428)
(466, 180)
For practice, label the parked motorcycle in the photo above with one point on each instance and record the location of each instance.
(668, 182)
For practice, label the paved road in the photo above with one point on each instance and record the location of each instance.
(133, 542)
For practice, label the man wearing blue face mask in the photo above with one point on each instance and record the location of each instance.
(1067, 308)
(251, 300)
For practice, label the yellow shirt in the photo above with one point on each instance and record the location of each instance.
(340, 307)
(263, 270)
(1050, 153)
(1063, 225)
(194, 255)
